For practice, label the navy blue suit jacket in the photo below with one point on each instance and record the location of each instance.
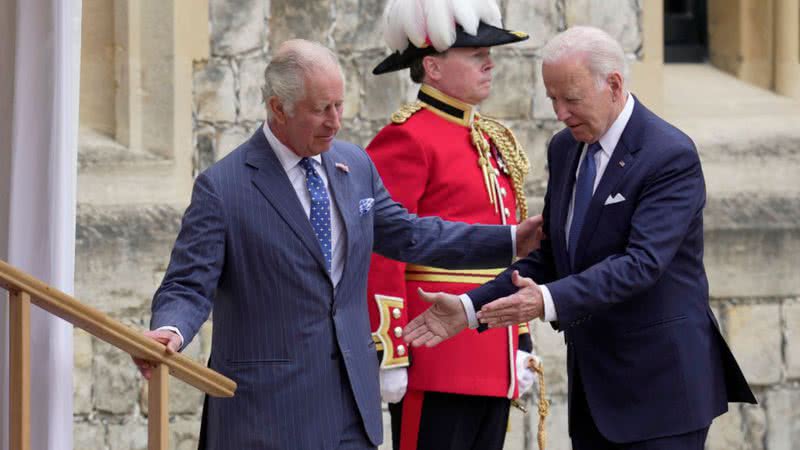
(281, 330)
(634, 309)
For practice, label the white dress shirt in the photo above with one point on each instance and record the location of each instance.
(290, 162)
(608, 142)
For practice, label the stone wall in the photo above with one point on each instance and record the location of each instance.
(122, 251)
(228, 104)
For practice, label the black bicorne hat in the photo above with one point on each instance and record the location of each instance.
(487, 36)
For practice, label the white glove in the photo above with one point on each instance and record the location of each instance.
(526, 378)
(393, 384)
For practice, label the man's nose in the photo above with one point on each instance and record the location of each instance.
(334, 120)
(562, 112)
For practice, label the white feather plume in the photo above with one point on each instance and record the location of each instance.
(405, 21)
(441, 23)
(414, 24)
(466, 15)
(393, 32)
(488, 11)
(421, 20)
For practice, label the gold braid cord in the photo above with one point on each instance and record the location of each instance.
(484, 161)
(544, 405)
(512, 153)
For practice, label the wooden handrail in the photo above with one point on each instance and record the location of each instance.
(115, 333)
(25, 290)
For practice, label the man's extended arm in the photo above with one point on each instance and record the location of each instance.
(676, 190)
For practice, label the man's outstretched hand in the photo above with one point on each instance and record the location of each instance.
(443, 320)
(529, 235)
(523, 306)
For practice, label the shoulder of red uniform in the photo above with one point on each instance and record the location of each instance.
(405, 112)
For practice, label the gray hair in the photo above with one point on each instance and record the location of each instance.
(285, 74)
(603, 53)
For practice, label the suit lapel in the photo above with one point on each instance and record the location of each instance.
(272, 182)
(561, 208)
(339, 184)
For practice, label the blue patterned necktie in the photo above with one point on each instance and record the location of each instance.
(320, 216)
(584, 187)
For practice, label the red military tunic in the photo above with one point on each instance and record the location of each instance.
(429, 163)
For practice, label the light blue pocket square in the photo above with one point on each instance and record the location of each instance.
(365, 205)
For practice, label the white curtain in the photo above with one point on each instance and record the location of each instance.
(40, 57)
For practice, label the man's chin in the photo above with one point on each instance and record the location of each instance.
(579, 136)
(322, 145)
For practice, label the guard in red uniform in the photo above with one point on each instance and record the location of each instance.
(440, 157)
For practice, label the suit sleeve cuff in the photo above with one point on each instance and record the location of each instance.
(174, 330)
(513, 246)
(472, 319)
(549, 308)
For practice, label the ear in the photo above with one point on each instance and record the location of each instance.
(617, 85)
(276, 107)
(432, 66)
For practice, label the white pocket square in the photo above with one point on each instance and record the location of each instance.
(614, 199)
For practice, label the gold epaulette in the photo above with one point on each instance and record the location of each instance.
(406, 111)
(513, 155)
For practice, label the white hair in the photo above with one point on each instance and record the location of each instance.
(285, 74)
(602, 53)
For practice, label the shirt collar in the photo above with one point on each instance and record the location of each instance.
(610, 140)
(286, 156)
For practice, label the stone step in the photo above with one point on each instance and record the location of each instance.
(112, 174)
(748, 137)
(764, 158)
(756, 234)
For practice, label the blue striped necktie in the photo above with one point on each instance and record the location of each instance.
(320, 216)
(584, 187)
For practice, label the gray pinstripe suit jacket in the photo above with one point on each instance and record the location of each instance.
(281, 330)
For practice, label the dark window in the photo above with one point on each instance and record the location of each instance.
(685, 31)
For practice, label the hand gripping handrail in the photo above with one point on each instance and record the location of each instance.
(26, 290)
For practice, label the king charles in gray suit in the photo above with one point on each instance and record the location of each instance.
(278, 238)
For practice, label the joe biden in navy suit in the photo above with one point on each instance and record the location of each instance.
(621, 273)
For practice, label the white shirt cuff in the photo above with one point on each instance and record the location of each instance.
(513, 244)
(472, 319)
(549, 308)
(174, 330)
